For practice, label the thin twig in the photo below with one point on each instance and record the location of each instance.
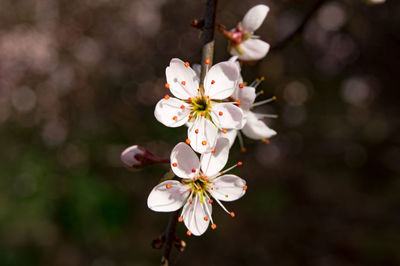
(300, 28)
(169, 237)
(208, 42)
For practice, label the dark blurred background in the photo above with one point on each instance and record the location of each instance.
(79, 80)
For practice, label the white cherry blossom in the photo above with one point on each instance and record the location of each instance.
(202, 182)
(243, 42)
(205, 111)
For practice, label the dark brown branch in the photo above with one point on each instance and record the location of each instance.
(300, 28)
(208, 42)
(169, 237)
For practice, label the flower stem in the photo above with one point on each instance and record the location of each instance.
(208, 42)
(169, 237)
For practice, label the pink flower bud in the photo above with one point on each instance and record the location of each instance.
(136, 156)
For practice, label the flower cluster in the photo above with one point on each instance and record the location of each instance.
(215, 111)
(243, 42)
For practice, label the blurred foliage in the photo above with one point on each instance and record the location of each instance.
(78, 84)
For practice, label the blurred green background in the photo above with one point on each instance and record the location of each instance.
(78, 83)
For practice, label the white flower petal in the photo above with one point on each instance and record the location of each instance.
(197, 70)
(221, 80)
(230, 135)
(234, 59)
(256, 129)
(202, 135)
(184, 161)
(227, 116)
(254, 18)
(228, 188)
(213, 162)
(194, 214)
(170, 112)
(183, 81)
(246, 95)
(252, 49)
(168, 196)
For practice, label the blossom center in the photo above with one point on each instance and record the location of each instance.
(199, 185)
(201, 106)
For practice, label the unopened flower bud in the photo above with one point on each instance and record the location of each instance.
(136, 156)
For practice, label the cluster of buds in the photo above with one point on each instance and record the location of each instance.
(215, 111)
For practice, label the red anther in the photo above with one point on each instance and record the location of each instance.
(187, 64)
(243, 149)
(190, 99)
(212, 81)
(244, 187)
(187, 141)
(191, 201)
(240, 85)
(239, 163)
(203, 142)
(213, 151)
(166, 97)
(188, 233)
(220, 113)
(191, 116)
(193, 170)
(166, 85)
(232, 214)
(206, 218)
(239, 102)
(196, 131)
(213, 226)
(210, 201)
(180, 219)
(182, 106)
(168, 185)
(175, 118)
(203, 114)
(224, 131)
(207, 61)
(183, 82)
(174, 164)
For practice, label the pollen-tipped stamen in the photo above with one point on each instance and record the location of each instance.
(227, 170)
(273, 98)
(270, 116)
(256, 82)
(222, 206)
(241, 142)
(208, 212)
(259, 93)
